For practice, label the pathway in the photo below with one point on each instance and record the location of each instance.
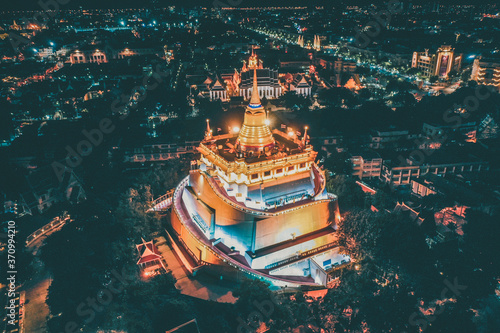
(200, 287)
(36, 310)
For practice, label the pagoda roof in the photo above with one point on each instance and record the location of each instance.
(218, 84)
(301, 82)
(265, 77)
(147, 252)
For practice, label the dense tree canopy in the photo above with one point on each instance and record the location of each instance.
(349, 193)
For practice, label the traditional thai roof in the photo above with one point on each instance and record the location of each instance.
(300, 82)
(217, 84)
(265, 77)
(148, 252)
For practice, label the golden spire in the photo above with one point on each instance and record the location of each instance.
(253, 62)
(208, 132)
(304, 139)
(255, 99)
(255, 135)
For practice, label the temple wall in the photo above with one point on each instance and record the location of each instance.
(263, 261)
(304, 220)
(237, 226)
(306, 267)
(194, 247)
(226, 215)
(175, 223)
(239, 236)
(201, 208)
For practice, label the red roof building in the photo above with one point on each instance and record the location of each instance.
(150, 258)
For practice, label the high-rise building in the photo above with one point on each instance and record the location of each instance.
(487, 71)
(439, 64)
(255, 204)
(317, 43)
(300, 41)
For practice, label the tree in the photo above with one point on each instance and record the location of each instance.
(382, 200)
(349, 193)
(358, 234)
(364, 93)
(453, 73)
(466, 75)
(436, 201)
(81, 256)
(84, 254)
(481, 247)
(335, 95)
(291, 99)
(339, 163)
(254, 296)
(132, 210)
(413, 71)
(453, 317)
(472, 84)
(6, 125)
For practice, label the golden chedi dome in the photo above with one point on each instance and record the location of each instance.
(255, 135)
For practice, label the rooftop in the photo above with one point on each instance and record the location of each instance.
(224, 145)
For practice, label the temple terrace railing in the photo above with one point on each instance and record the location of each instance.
(245, 209)
(302, 255)
(162, 203)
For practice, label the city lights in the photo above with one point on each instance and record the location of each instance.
(344, 145)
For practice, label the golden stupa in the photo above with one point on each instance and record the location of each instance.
(242, 213)
(255, 135)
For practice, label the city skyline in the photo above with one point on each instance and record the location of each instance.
(110, 4)
(299, 167)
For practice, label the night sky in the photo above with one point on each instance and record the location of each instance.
(33, 4)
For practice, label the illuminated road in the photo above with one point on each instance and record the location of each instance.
(36, 310)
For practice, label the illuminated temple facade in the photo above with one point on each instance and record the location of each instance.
(268, 80)
(255, 204)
